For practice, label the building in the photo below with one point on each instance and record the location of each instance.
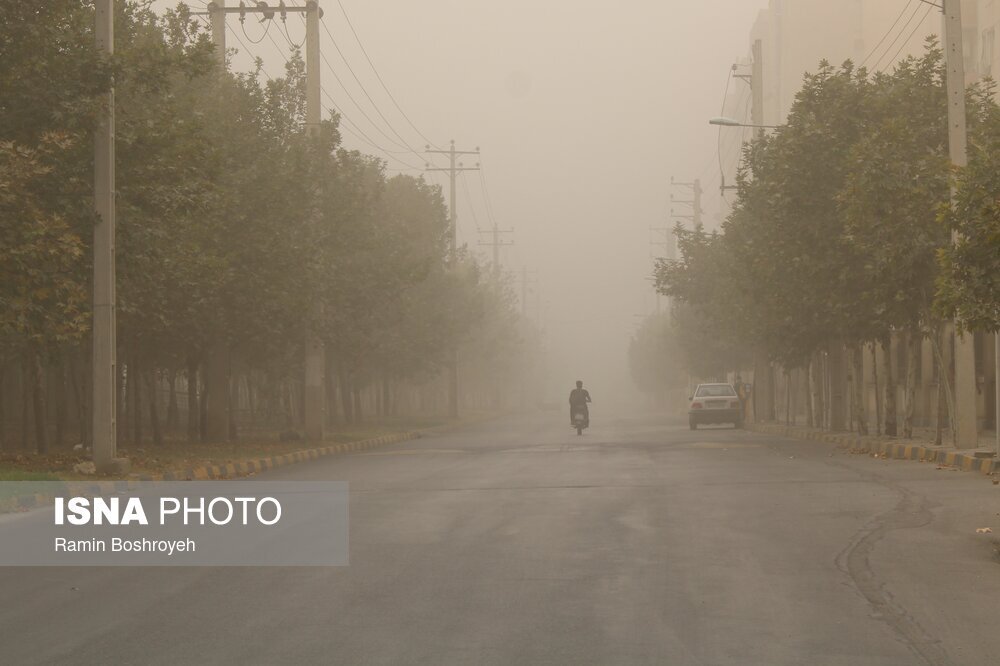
(791, 38)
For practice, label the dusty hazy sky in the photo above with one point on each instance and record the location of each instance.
(583, 111)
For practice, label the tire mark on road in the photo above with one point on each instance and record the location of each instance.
(855, 561)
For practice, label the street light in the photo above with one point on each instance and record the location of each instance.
(729, 122)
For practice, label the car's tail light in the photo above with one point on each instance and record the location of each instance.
(696, 405)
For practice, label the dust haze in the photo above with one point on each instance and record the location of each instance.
(582, 112)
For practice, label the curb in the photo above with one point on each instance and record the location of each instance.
(209, 472)
(875, 446)
(255, 465)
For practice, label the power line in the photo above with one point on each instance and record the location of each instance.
(916, 11)
(365, 91)
(361, 110)
(357, 133)
(243, 27)
(247, 49)
(909, 37)
(894, 23)
(379, 77)
(486, 193)
(468, 195)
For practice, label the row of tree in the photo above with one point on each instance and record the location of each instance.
(841, 235)
(236, 233)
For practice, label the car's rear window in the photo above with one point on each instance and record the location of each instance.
(715, 390)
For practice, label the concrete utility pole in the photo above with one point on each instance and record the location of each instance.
(217, 16)
(217, 366)
(105, 400)
(966, 433)
(763, 382)
(496, 242)
(661, 237)
(526, 284)
(315, 351)
(453, 169)
(694, 202)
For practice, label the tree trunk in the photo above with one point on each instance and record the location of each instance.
(154, 412)
(217, 389)
(386, 397)
(202, 408)
(38, 402)
(135, 382)
(79, 399)
(809, 403)
(359, 416)
(819, 409)
(60, 395)
(858, 394)
(3, 414)
(878, 392)
(942, 414)
(890, 387)
(788, 398)
(25, 403)
(838, 383)
(913, 340)
(193, 410)
(346, 397)
(173, 413)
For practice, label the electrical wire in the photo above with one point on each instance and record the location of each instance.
(247, 49)
(486, 194)
(887, 32)
(468, 195)
(906, 25)
(365, 91)
(379, 77)
(906, 41)
(718, 140)
(374, 125)
(243, 27)
(288, 37)
(357, 132)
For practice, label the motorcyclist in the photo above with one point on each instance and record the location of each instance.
(578, 398)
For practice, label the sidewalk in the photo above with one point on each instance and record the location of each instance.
(971, 460)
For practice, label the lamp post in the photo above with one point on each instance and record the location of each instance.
(730, 122)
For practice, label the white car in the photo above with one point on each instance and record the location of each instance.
(714, 403)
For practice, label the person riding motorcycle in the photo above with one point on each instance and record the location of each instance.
(578, 399)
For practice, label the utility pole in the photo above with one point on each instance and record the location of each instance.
(217, 365)
(453, 169)
(763, 383)
(526, 284)
(661, 237)
(105, 400)
(496, 243)
(694, 202)
(217, 17)
(314, 396)
(966, 432)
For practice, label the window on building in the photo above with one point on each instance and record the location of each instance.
(986, 53)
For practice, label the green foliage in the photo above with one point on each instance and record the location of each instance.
(968, 286)
(836, 235)
(233, 223)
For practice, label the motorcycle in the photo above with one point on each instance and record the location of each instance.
(580, 420)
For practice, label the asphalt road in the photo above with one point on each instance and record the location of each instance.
(517, 542)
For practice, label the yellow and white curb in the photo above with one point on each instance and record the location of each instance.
(965, 460)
